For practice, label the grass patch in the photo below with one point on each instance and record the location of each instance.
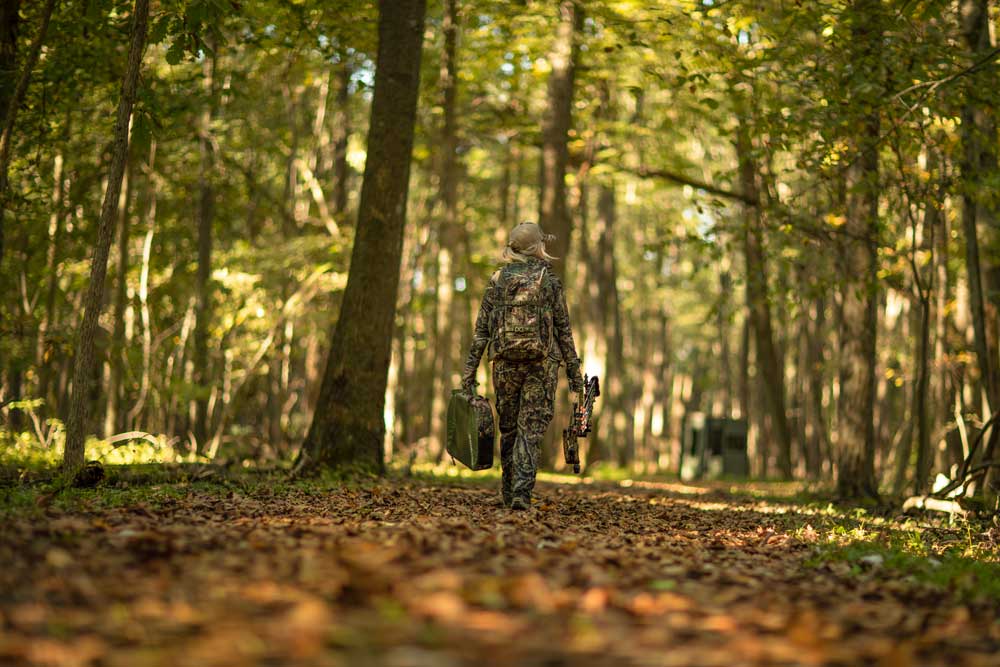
(961, 560)
(155, 484)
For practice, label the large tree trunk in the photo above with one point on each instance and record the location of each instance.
(8, 46)
(83, 370)
(349, 425)
(856, 432)
(449, 234)
(203, 285)
(980, 214)
(553, 214)
(758, 309)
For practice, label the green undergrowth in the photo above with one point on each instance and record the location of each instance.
(961, 559)
(153, 485)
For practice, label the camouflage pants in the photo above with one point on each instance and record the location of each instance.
(525, 404)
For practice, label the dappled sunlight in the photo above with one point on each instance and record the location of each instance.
(671, 487)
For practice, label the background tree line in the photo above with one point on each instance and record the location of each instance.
(781, 211)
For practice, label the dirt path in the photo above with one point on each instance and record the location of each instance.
(414, 575)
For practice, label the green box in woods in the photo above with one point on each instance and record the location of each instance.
(471, 430)
(713, 448)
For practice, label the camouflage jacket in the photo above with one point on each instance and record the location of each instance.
(563, 348)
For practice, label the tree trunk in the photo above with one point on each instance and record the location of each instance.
(816, 433)
(553, 214)
(943, 388)
(722, 315)
(619, 393)
(147, 333)
(8, 44)
(665, 381)
(342, 132)
(925, 290)
(980, 217)
(83, 369)
(505, 185)
(449, 249)
(9, 19)
(349, 425)
(117, 357)
(859, 316)
(206, 213)
(769, 365)
(43, 360)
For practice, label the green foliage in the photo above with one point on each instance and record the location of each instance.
(659, 86)
(967, 571)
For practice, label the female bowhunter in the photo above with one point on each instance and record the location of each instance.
(524, 321)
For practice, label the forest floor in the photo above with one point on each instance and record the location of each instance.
(430, 572)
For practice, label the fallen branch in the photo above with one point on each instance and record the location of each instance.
(130, 436)
(933, 504)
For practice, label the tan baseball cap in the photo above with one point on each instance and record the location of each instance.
(526, 235)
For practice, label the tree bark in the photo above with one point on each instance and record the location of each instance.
(8, 43)
(448, 232)
(147, 332)
(203, 285)
(856, 431)
(116, 358)
(505, 184)
(816, 434)
(980, 214)
(342, 132)
(9, 20)
(83, 370)
(925, 289)
(45, 348)
(943, 388)
(722, 318)
(758, 308)
(553, 214)
(622, 436)
(349, 426)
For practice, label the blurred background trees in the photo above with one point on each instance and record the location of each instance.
(786, 212)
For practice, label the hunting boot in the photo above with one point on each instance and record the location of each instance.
(507, 486)
(520, 503)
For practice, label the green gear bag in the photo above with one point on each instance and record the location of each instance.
(471, 430)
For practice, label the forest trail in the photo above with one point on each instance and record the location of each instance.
(414, 574)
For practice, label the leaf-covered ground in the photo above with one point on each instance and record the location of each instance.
(424, 573)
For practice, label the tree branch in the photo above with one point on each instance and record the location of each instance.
(680, 179)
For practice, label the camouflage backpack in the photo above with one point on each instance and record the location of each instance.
(523, 330)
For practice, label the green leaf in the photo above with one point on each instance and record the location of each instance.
(175, 54)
